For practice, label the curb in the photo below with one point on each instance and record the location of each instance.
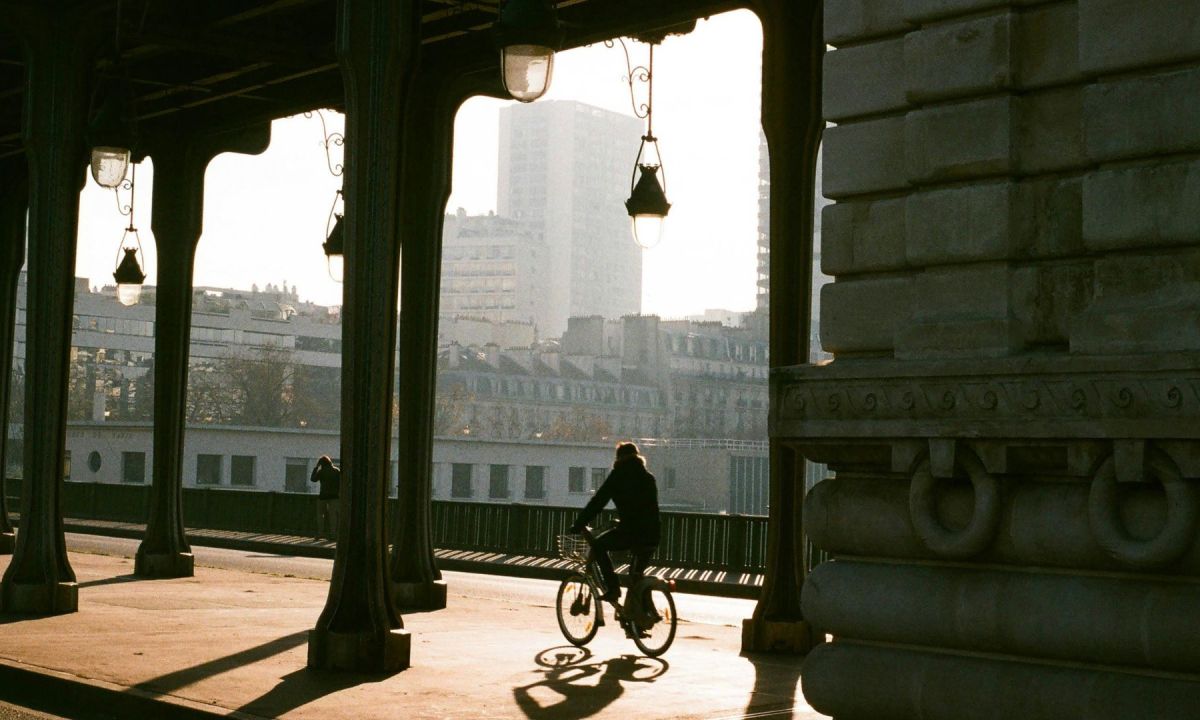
(57, 693)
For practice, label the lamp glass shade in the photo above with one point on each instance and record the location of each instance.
(337, 267)
(109, 165)
(129, 294)
(648, 230)
(527, 70)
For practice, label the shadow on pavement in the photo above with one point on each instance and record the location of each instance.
(300, 687)
(776, 678)
(573, 688)
(111, 580)
(182, 678)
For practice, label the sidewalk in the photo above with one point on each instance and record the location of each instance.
(233, 644)
(700, 582)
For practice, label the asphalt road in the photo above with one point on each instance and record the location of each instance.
(691, 608)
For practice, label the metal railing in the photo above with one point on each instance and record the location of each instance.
(731, 543)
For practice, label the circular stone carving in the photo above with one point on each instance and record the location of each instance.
(1104, 516)
(985, 517)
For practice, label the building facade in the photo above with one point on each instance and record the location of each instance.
(564, 171)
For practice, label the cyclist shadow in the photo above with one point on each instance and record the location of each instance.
(574, 688)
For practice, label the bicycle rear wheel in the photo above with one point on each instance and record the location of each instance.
(578, 610)
(656, 623)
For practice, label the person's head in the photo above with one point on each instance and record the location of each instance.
(627, 451)
(324, 461)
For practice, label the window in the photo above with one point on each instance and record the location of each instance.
(598, 475)
(535, 482)
(208, 469)
(670, 477)
(66, 462)
(241, 470)
(460, 480)
(295, 476)
(133, 467)
(575, 480)
(498, 486)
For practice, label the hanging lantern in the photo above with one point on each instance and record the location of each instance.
(528, 34)
(648, 207)
(128, 273)
(647, 204)
(111, 136)
(333, 246)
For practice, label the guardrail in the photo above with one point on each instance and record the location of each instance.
(733, 543)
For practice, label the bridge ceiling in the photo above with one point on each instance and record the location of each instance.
(227, 63)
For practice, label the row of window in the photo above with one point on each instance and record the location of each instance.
(500, 476)
(209, 468)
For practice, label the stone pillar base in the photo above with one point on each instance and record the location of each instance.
(794, 637)
(164, 565)
(359, 652)
(39, 599)
(8, 542)
(420, 595)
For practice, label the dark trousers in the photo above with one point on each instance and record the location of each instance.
(619, 538)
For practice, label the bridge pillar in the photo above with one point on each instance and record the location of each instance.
(378, 44)
(791, 119)
(1013, 414)
(14, 201)
(425, 182)
(60, 45)
(180, 161)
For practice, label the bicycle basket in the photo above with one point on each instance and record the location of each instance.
(573, 547)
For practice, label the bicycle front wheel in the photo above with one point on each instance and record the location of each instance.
(655, 628)
(578, 609)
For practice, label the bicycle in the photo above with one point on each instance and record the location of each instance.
(648, 616)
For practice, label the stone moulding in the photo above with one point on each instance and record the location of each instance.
(1045, 397)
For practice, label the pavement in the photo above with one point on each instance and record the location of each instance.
(703, 582)
(232, 643)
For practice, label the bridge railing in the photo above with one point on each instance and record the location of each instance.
(733, 543)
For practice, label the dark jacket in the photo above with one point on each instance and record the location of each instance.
(330, 478)
(633, 490)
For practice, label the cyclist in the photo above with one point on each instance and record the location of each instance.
(633, 490)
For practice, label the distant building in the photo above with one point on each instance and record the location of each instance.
(494, 268)
(564, 169)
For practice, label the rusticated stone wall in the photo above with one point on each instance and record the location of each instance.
(1013, 413)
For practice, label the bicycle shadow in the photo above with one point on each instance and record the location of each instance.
(573, 688)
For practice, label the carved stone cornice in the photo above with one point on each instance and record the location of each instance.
(1153, 396)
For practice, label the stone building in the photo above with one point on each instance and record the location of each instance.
(1013, 409)
(635, 377)
(494, 268)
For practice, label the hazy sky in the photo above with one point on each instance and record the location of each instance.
(265, 216)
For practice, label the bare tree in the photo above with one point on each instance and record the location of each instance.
(261, 380)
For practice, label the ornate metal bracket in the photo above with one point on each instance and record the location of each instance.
(330, 141)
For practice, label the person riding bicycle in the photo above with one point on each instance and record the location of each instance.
(633, 490)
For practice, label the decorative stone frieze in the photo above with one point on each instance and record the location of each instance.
(1029, 397)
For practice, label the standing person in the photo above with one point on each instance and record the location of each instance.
(330, 478)
(633, 490)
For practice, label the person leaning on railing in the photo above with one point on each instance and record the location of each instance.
(635, 493)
